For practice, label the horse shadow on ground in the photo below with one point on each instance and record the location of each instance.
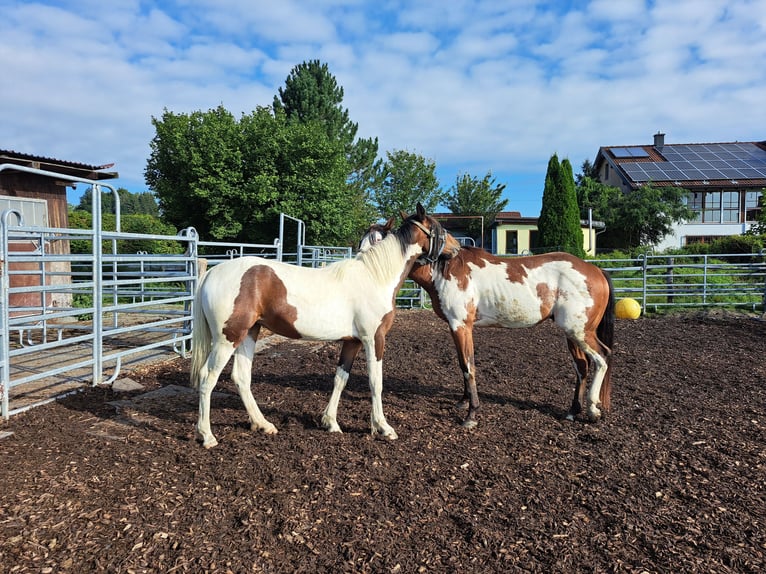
(286, 400)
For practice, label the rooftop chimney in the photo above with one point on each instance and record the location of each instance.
(659, 140)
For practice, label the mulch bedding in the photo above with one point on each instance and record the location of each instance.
(671, 480)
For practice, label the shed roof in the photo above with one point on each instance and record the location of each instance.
(70, 168)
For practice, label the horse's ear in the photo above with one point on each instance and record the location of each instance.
(403, 215)
(421, 211)
(389, 224)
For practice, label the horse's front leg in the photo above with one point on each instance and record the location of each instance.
(348, 353)
(375, 369)
(463, 338)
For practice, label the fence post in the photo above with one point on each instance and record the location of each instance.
(643, 259)
(5, 361)
(671, 288)
(704, 279)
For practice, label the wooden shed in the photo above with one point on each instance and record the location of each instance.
(35, 191)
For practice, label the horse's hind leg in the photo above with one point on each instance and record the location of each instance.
(241, 374)
(590, 347)
(580, 360)
(348, 353)
(217, 359)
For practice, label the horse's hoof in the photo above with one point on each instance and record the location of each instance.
(470, 424)
(209, 443)
(594, 415)
(388, 434)
(330, 425)
(570, 417)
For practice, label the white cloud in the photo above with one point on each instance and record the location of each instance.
(473, 85)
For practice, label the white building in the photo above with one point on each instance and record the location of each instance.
(726, 182)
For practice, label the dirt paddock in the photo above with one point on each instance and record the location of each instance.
(672, 480)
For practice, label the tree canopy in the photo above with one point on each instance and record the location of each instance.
(406, 178)
(559, 223)
(130, 203)
(471, 196)
(231, 179)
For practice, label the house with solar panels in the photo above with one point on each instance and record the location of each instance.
(725, 182)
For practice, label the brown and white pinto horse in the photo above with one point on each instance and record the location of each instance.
(474, 289)
(352, 300)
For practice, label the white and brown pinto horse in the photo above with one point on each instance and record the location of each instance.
(473, 288)
(350, 300)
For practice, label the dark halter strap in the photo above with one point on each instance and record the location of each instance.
(437, 239)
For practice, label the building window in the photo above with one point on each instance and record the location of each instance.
(753, 205)
(533, 236)
(706, 206)
(691, 239)
(512, 242)
(731, 207)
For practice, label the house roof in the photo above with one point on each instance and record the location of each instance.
(730, 164)
(71, 168)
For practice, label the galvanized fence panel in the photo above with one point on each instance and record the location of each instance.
(68, 319)
(676, 281)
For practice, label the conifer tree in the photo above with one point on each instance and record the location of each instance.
(559, 222)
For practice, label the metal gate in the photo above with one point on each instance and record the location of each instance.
(69, 320)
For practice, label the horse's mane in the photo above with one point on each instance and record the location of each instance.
(382, 260)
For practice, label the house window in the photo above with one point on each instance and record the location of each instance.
(753, 205)
(512, 242)
(691, 239)
(706, 206)
(533, 237)
(731, 207)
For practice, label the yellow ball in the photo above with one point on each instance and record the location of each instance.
(627, 309)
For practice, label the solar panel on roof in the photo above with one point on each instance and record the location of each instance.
(753, 172)
(620, 152)
(656, 175)
(696, 162)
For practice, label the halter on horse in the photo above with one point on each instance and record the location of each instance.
(475, 288)
(350, 300)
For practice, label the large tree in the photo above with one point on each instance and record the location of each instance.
(647, 214)
(230, 179)
(312, 94)
(559, 223)
(643, 216)
(471, 196)
(405, 179)
(195, 170)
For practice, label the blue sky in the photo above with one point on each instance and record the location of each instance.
(493, 85)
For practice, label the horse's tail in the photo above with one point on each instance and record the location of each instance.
(201, 339)
(605, 333)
